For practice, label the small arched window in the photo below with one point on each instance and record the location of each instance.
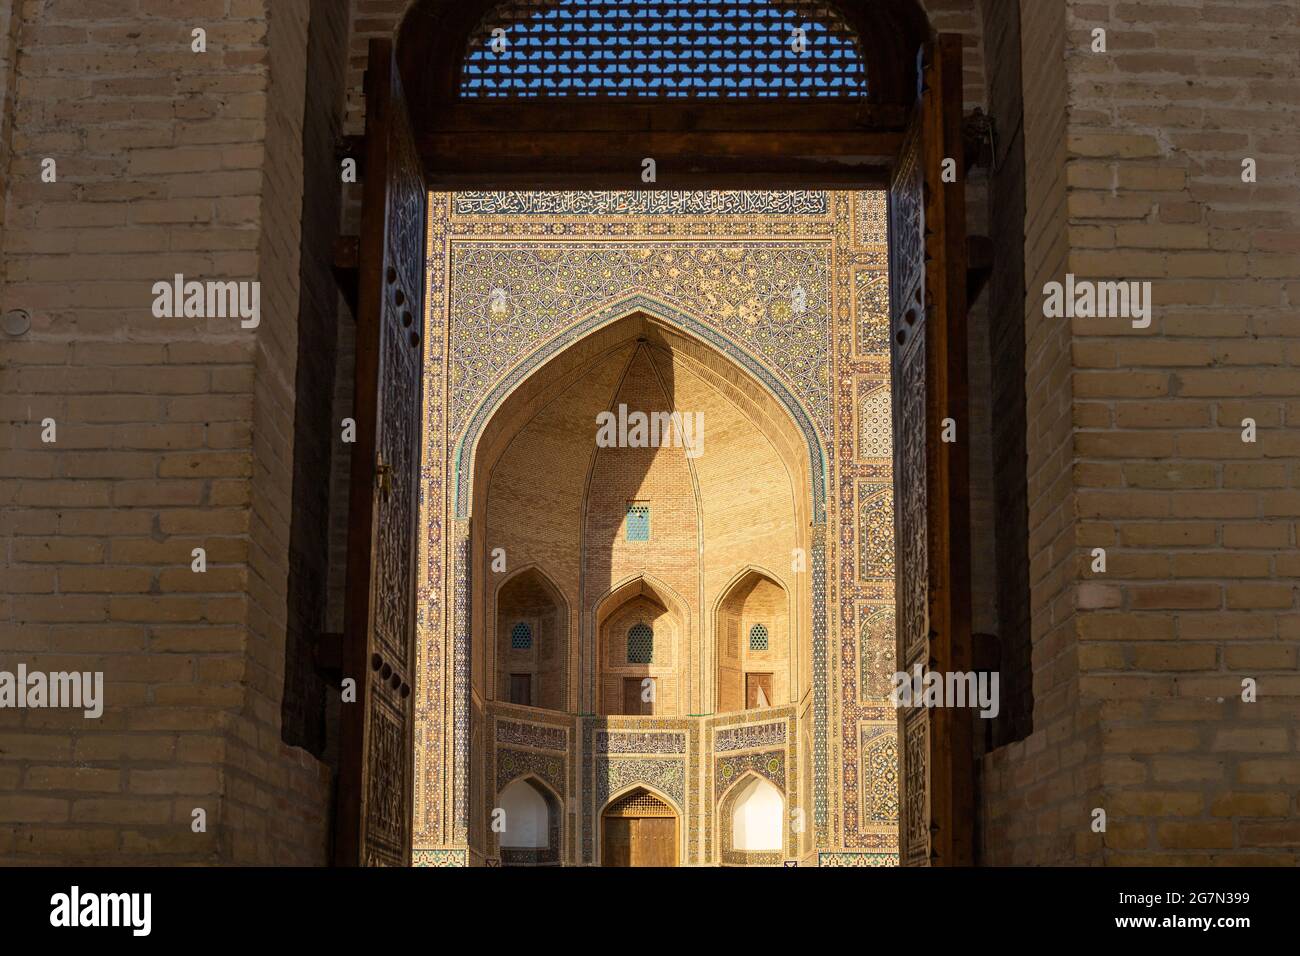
(640, 644)
(521, 637)
(758, 638)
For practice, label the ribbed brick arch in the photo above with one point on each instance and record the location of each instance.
(465, 456)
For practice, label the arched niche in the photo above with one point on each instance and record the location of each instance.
(642, 637)
(531, 642)
(754, 817)
(531, 817)
(754, 648)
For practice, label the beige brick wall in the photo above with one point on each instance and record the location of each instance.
(168, 431)
(1035, 792)
(1135, 441)
(1199, 527)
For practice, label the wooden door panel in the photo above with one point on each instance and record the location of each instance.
(928, 304)
(617, 847)
(654, 841)
(375, 782)
(521, 689)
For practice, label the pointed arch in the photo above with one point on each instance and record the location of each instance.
(465, 452)
(752, 820)
(636, 585)
(607, 812)
(611, 668)
(538, 666)
(539, 821)
(745, 675)
(616, 795)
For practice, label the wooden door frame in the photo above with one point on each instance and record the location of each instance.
(714, 145)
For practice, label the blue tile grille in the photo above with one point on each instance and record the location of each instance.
(758, 638)
(521, 637)
(663, 49)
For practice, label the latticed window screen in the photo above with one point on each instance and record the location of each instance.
(663, 48)
(521, 637)
(639, 803)
(638, 522)
(640, 644)
(758, 638)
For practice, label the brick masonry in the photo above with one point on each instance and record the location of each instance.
(172, 433)
(1134, 171)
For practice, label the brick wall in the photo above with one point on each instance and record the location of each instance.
(1134, 172)
(1034, 793)
(172, 433)
(1199, 527)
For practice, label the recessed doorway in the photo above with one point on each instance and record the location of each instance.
(639, 829)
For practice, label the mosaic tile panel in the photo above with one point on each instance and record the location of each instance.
(871, 289)
(875, 421)
(857, 859)
(445, 858)
(879, 751)
(622, 742)
(506, 299)
(805, 363)
(628, 202)
(769, 764)
(531, 735)
(615, 773)
(749, 737)
(876, 531)
(519, 763)
(870, 219)
(876, 652)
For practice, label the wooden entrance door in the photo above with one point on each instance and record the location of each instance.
(375, 739)
(639, 830)
(927, 224)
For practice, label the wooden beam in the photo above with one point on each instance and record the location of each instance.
(514, 117)
(613, 159)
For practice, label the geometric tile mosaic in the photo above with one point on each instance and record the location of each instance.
(795, 284)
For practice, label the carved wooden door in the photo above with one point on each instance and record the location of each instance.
(927, 226)
(375, 765)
